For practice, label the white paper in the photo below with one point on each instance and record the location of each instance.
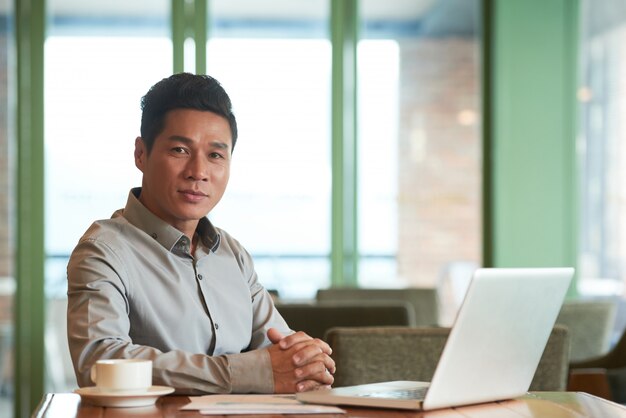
(255, 404)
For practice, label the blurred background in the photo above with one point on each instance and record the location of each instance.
(368, 155)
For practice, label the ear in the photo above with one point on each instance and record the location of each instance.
(141, 153)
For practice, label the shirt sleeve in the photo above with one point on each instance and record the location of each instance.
(98, 328)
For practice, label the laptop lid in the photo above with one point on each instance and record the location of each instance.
(494, 347)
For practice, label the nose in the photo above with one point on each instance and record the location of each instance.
(196, 169)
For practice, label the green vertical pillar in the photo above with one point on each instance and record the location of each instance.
(29, 298)
(200, 32)
(344, 252)
(189, 19)
(178, 35)
(531, 54)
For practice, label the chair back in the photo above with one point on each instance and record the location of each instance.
(316, 319)
(614, 359)
(368, 355)
(552, 371)
(425, 301)
(375, 354)
(603, 376)
(590, 324)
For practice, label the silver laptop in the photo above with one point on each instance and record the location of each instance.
(492, 351)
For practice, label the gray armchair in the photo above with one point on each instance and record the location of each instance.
(316, 319)
(603, 376)
(590, 323)
(425, 301)
(366, 355)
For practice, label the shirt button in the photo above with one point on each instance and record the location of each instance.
(153, 235)
(199, 276)
(217, 326)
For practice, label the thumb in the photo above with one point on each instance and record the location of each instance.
(274, 335)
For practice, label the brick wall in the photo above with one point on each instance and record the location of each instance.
(440, 158)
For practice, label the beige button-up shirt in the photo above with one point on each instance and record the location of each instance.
(135, 291)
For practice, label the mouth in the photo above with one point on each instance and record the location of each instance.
(194, 192)
(193, 195)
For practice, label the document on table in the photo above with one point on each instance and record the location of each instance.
(255, 404)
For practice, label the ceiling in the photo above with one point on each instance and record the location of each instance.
(268, 10)
(431, 17)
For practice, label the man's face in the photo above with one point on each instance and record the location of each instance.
(187, 170)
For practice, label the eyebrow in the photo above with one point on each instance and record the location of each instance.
(189, 141)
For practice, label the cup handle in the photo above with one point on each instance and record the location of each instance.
(92, 373)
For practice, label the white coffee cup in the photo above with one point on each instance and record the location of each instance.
(116, 375)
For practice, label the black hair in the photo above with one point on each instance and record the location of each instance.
(183, 91)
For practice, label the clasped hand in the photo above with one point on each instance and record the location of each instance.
(299, 362)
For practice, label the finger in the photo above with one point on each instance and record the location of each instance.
(329, 363)
(298, 343)
(311, 384)
(307, 385)
(274, 335)
(323, 345)
(312, 354)
(315, 371)
(293, 339)
(305, 354)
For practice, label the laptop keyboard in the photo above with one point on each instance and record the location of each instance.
(417, 394)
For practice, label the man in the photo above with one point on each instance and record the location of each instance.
(158, 281)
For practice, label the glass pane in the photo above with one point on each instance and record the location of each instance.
(100, 58)
(7, 208)
(420, 168)
(274, 60)
(602, 153)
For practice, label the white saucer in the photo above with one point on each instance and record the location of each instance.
(123, 399)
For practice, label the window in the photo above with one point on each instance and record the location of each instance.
(273, 59)
(378, 105)
(419, 142)
(601, 151)
(98, 65)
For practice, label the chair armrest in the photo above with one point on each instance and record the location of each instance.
(592, 380)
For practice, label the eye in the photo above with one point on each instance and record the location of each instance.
(179, 150)
(216, 155)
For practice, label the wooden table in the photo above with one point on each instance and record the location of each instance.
(536, 404)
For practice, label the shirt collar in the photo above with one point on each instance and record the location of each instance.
(165, 234)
